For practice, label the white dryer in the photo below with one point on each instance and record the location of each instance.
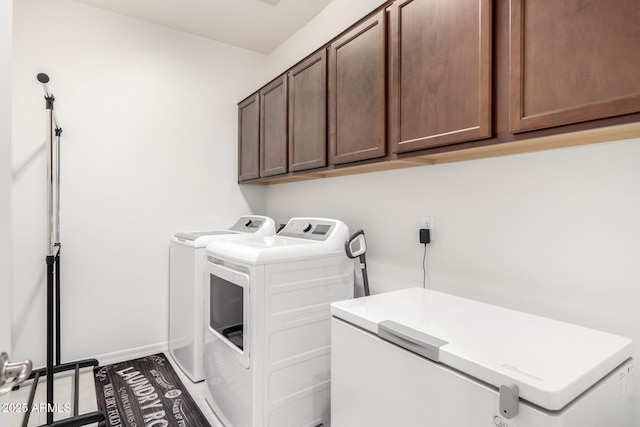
(267, 338)
(186, 300)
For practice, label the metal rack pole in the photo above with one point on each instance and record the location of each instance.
(50, 172)
(56, 241)
(49, 370)
(50, 259)
(56, 229)
(53, 286)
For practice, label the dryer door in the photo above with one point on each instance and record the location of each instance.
(228, 308)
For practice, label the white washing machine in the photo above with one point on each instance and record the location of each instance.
(267, 339)
(186, 300)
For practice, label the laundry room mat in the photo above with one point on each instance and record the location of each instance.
(143, 392)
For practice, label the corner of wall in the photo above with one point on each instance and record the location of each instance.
(331, 21)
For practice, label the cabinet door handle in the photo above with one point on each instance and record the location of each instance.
(408, 338)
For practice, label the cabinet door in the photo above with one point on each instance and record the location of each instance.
(357, 82)
(573, 61)
(248, 138)
(308, 113)
(273, 128)
(440, 72)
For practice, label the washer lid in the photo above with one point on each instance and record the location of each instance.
(552, 362)
(301, 238)
(193, 235)
(245, 226)
(262, 250)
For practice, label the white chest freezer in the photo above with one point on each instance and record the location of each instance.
(423, 358)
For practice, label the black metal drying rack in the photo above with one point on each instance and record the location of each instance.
(53, 291)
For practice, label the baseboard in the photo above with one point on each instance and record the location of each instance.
(134, 353)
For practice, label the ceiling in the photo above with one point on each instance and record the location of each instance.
(258, 25)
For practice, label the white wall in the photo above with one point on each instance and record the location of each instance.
(149, 124)
(552, 233)
(5, 188)
(331, 21)
(5, 176)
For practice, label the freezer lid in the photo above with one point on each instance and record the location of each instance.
(552, 362)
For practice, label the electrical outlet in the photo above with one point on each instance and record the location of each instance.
(427, 222)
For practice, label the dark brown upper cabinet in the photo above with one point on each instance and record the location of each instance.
(357, 98)
(572, 61)
(273, 128)
(248, 138)
(441, 54)
(308, 113)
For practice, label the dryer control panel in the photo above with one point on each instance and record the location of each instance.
(308, 228)
(248, 224)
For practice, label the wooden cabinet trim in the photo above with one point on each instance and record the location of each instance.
(483, 128)
(264, 92)
(254, 171)
(380, 150)
(518, 122)
(321, 161)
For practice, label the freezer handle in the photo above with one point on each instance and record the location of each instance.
(415, 341)
(509, 400)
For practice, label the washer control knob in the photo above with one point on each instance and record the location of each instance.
(248, 223)
(306, 228)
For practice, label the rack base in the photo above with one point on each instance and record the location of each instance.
(76, 419)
